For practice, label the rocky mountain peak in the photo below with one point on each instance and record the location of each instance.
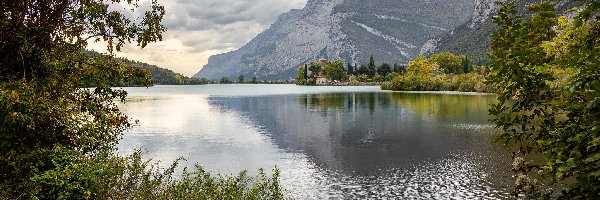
(351, 30)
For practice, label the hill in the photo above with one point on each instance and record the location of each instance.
(160, 76)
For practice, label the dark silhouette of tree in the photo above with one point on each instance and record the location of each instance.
(384, 69)
(241, 79)
(363, 69)
(371, 67)
(350, 69)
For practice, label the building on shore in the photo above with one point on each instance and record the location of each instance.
(320, 77)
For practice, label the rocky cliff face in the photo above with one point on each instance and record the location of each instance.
(394, 31)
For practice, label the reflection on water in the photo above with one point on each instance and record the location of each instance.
(338, 143)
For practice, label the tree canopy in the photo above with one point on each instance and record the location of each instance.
(448, 62)
(559, 121)
(334, 70)
(45, 114)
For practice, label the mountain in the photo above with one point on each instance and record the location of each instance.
(394, 31)
(472, 38)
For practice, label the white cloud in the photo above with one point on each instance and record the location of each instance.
(198, 29)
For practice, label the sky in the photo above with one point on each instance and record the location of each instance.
(198, 29)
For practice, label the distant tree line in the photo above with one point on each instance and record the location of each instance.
(242, 80)
(158, 75)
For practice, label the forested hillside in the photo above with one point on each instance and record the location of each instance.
(159, 76)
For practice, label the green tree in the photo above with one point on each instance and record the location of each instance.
(241, 78)
(420, 66)
(224, 80)
(350, 69)
(334, 70)
(301, 78)
(371, 67)
(466, 65)
(384, 69)
(400, 69)
(448, 62)
(45, 114)
(363, 70)
(315, 69)
(254, 80)
(561, 123)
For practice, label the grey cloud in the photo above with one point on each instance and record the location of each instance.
(222, 24)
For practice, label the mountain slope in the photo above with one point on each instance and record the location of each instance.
(473, 37)
(352, 30)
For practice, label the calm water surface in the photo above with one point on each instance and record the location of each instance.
(329, 142)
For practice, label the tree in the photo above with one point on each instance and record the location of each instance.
(400, 69)
(363, 70)
(448, 62)
(254, 80)
(315, 69)
(334, 70)
(384, 69)
(48, 122)
(420, 66)
(224, 80)
(466, 63)
(301, 78)
(241, 78)
(305, 71)
(371, 67)
(350, 69)
(562, 123)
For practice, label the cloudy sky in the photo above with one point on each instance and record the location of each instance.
(198, 29)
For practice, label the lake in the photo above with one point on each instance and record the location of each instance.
(329, 142)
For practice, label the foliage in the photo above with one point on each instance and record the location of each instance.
(371, 67)
(225, 80)
(466, 65)
(363, 69)
(334, 70)
(400, 69)
(420, 66)
(241, 78)
(414, 83)
(42, 66)
(158, 76)
(461, 82)
(361, 80)
(561, 123)
(315, 69)
(384, 69)
(448, 62)
(301, 77)
(350, 69)
(109, 176)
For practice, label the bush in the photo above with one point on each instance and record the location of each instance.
(463, 82)
(415, 83)
(110, 176)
